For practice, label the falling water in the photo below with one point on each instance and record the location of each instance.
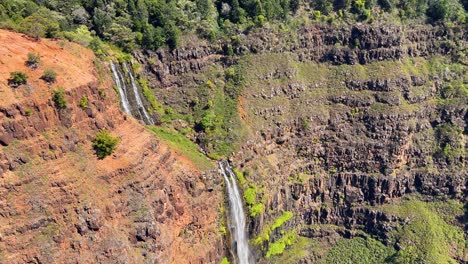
(120, 82)
(139, 102)
(239, 233)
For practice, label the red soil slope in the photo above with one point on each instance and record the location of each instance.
(60, 204)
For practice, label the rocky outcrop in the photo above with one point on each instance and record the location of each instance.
(358, 44)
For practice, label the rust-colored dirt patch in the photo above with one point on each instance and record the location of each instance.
(72, 63)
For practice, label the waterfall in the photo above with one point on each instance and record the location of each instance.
(237, 216)
(120, 82)
(141, 107)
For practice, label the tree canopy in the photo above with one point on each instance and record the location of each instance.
(151, 24)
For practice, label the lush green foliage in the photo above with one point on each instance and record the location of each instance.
(182, 144)
(17, 78)
(277, 247)
(59, 99)
(104, 144)
(224, 261)
(267, 230)
(239, 175)
(49, 76)
(427, 238)
(358, 250)
(152, 24)
(155, 106)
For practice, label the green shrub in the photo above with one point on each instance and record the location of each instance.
(49, 76)
(449, 142)
(33, 60)
(84, 102)
(239, 175)
(17, 79)
(225, 261)
(59, 99)
(250, 195)
(28, 112)
(256, 210)
(278, 247)
(104, 144)
(267, 230)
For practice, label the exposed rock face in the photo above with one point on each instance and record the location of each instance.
(343, 119)
(361, 44)
(145, 203)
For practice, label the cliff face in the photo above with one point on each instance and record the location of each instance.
(145, 203)
(342, 121)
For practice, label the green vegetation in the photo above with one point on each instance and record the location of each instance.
(240, 176)
(278, 247)
(256, 209)
(155, 106)
(450, 144)
(225, 260)
(427, 238)
(250, 195)
(153, 24)
(28, 112)
(267, 230)
(17, 79)
(59, 99)
(49, 76)
(182, 144)
(83, 102)
(215, 114)
(104, 144)
(358, 250)
(33, 60)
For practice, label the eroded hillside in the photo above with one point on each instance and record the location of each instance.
(145, 203)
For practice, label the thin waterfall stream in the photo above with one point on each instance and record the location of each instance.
(129, 91)
(139, 102)
(120, 82)
(237, 215)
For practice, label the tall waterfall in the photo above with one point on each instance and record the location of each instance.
(139, 102)
(120, 82)
(237, 216)
(129, 92)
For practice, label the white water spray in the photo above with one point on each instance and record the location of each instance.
(120, 82)
(239, 234)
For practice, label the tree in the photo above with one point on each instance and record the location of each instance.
(446, 10)
(172, 35)
(41, 24)
(17, 79)
(153, 38)
(104, 144)
(324, 6)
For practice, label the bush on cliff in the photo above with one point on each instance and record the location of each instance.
(59, 99)
(104, 144)
(33, 60)
(49, 76)
(17, 79)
